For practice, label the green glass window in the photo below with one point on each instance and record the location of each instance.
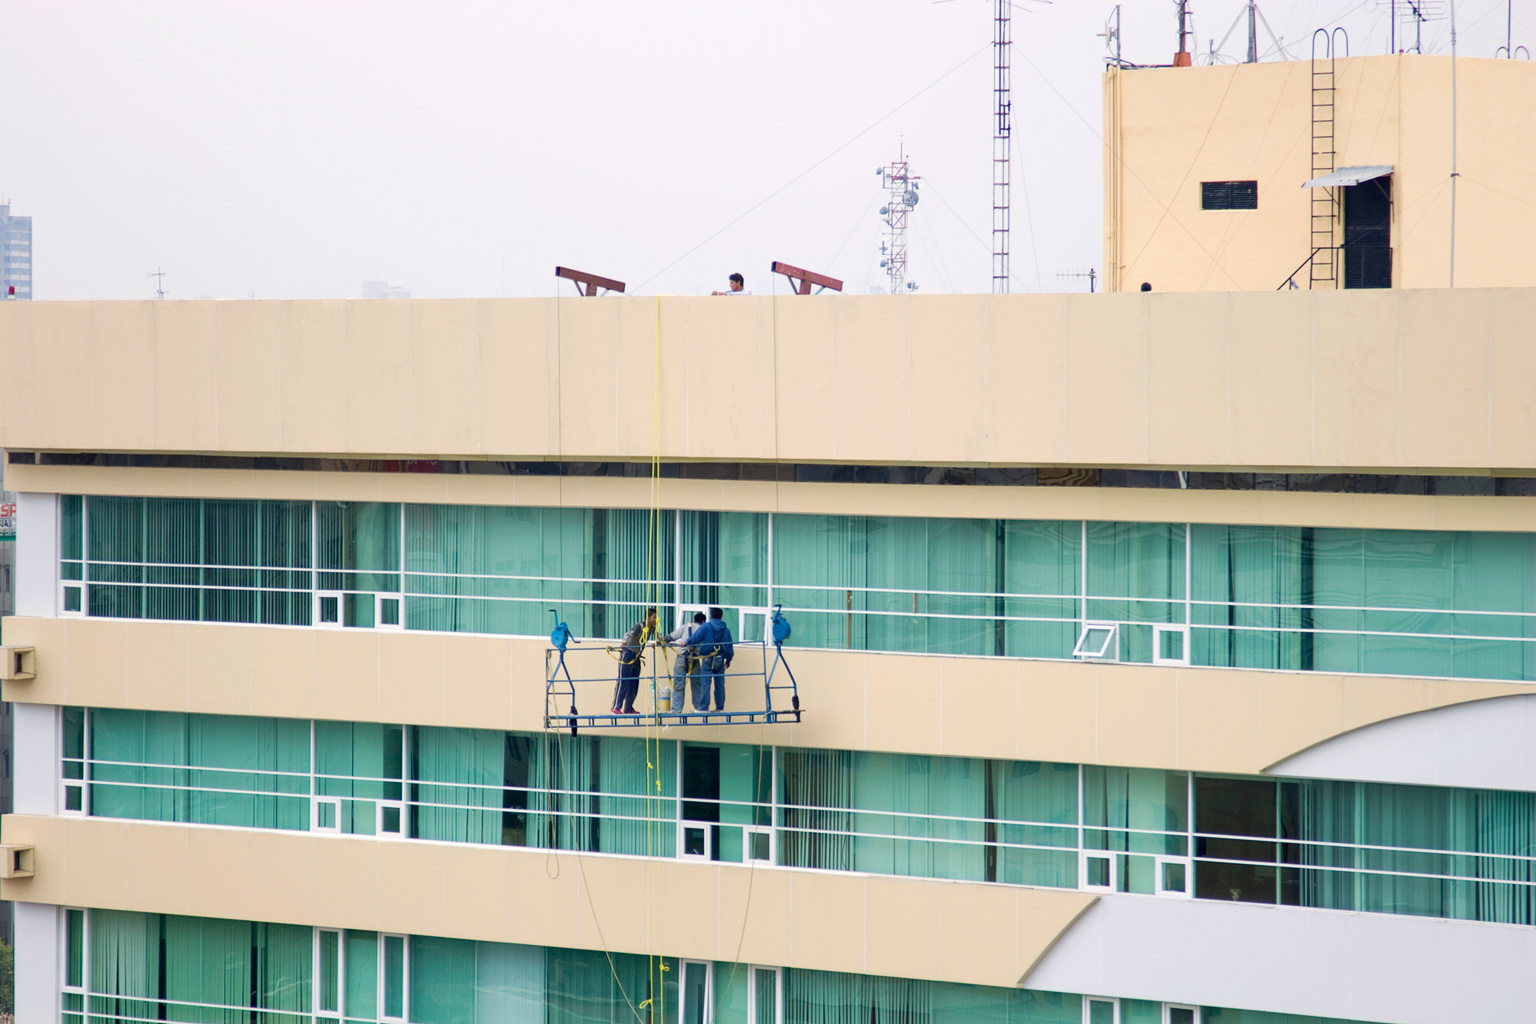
(204, 769)
(1376, 601)
(1137, 815)
(1042, 574)
(362, 763)
(361, 975)
(190, 559)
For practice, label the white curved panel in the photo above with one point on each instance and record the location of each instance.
(1484, 744)
(1325, 963)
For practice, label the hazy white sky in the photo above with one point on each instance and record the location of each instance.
(296, 149)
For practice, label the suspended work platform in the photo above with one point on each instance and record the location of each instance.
(760, 688)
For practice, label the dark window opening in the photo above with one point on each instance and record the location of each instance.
(701, 783)
(1228, 867)
(1368, 234)
(1229, 195)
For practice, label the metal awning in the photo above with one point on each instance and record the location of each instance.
(1349, 176)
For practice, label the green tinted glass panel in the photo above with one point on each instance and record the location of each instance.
(1101, 1012)
(394, 976)
(362, 975)
(695, 992)
(765, 996)
(328, 985)
(71, 522)
(74, 970)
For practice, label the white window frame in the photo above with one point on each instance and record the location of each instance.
(1084, 857)
(1109, 651)
(747, 832)
(314, 813)
(1168, 1009)
(378, 819)
(82, 783)
(85, 954)
(778, 993)
(378, 611)
(682, 990)
(66, 585)
(1158, 629)
(341, 974)
(1189, 878)
(341, 608)
(1087, 1006)
(708, 828)
(405, 979)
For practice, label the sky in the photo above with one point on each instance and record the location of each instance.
(456, 149)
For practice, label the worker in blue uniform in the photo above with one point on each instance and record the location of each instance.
(711, 643)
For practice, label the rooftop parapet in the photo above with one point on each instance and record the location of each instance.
(1400, 380)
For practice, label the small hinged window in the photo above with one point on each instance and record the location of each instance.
(1098, 640)
(1229, 195)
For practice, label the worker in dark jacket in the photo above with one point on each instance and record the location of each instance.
(631, 650)
(711, 644)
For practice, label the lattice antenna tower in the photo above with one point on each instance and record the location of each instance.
(1002, 142)
(901, 187)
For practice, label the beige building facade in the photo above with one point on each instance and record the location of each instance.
(1270, 126)
(1156, 658)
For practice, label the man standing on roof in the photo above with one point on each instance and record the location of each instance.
(683, 666)
(738, 286)
(631, 648)
(711, 644)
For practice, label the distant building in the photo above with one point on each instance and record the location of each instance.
(1206, 173)
(384, 290)
(15, 254)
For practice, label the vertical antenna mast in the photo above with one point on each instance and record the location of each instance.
(902, 188)
(1002, 131)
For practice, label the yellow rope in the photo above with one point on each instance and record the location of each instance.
(657, 964)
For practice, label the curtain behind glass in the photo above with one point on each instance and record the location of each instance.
(174, 747)
(509, 984)
(459, 560)
(442, 980)
(725, 559)
(562, 802)
(633, 559)
(195, 560)
(932, 789)
(1043, 562)
(471, 763)
(360, 541)
(361, 763)
(827, 997)
(630, 789)
(588, 987)
(816, 787)
(1135, 575)
(975, 1004)
(1044, 794)
(1117, 801)
(207, 961)
(817, 560)
(1235, 566)
(125, 964)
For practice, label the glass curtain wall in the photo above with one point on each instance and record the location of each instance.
(190, 559)
(1429, 851)
(1455, 604)
(1420, 850)
(142, 967)
(200, 769)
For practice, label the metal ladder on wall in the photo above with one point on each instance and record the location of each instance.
(1324, 265)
